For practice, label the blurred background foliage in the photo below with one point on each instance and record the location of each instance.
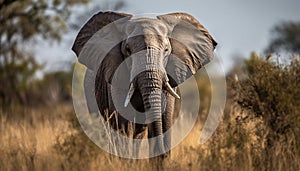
(261, 121)
(23, 25)
(285, 37)
(22, 22)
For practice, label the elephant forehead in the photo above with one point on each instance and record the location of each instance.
(143, 26)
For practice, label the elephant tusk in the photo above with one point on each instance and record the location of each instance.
(171, 91)
(129, 95)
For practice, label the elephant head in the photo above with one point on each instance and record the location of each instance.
(160, 54)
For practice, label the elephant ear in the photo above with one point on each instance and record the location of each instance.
(99, 40)
(97, 45)
(94, 24)
(192, 46)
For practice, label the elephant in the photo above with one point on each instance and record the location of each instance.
(137, 65)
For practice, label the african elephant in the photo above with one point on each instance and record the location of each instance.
(137, 64)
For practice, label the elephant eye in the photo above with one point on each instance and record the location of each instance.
(128, 51)
(166, 49)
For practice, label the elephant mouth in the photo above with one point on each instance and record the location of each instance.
(135, 99)
(136, 96)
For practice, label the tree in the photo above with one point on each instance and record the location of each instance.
(101, 6)
(22, 22)
(286, 37)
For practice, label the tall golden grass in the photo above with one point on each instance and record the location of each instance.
(51, 139)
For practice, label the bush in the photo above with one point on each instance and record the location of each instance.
(270, 93)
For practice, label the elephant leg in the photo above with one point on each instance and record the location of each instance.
(152, 141)
(167, 122)
(139, 134)
(155, 162)
(150, 135)
(113, 127)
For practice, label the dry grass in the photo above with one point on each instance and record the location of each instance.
(27, 142)
(51, 139)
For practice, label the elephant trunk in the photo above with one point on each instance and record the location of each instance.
(150, 84)
(149, 77)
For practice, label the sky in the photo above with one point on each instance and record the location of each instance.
(239, 26)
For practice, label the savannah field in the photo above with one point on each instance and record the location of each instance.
(258, 132)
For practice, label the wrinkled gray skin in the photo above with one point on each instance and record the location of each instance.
(172, 48)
